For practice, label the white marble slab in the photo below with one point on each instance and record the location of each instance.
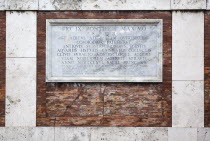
(182, 134)
(104, 5)
(28, 134)
(187, 68)
(112, 50)
(188, 4)
(2, 5)
(2, 133)
(72, 134)
(21, 34)
(188, 104)
(132, 134)
(20, 92)
(188, 46)
(21, 4)
(203, 134)
(208, 4)
(188, 34)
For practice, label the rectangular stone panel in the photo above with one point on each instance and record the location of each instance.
(188, 46)
(128, 50)
(21, 34)
(20, 92)
(188, 104)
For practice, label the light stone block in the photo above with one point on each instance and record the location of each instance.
(203, 134)
(188, 4)
(43, 134)
(72, 134)
(188, 34)
(104, 5)
(21, 34)
(2, 133)
(187, 68)
(208, 4)
(188, 46)
(20, 92)
(182, 134)
(188, 104)
(21, 4)
(112, 50)
(132, 134)
(2, 5)
(29, 134)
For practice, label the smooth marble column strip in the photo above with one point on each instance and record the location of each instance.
(20, 92)
(188, 69)
(21, 69)
(188, 104)
(21, 34)
(188, 46)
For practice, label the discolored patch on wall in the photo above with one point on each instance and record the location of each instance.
(2, 66)
(105, 104)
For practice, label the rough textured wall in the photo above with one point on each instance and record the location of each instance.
(2, 66)
(207, 70)
(104, 104)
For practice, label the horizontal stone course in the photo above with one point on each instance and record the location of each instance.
(104, 4)
(103, 133)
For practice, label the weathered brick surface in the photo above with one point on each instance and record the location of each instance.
(104, 104)
(2, 66)
(207, 70)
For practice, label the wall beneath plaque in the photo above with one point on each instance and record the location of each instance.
(104, 104)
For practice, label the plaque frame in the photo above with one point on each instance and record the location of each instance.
(65, 22)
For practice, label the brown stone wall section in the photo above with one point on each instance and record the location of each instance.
(207, 70)
(2, 66)
(104, 104)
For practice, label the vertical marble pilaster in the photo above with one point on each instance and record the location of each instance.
(21, 69)
(188, 69)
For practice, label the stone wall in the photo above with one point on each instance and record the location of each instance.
(104, 104)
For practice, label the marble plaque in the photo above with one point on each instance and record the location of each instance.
(105, 50)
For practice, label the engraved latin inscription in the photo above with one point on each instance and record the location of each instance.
(108, 51)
